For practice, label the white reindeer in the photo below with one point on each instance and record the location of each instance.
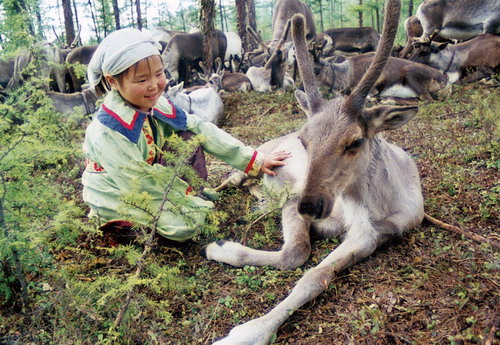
(350, 183)
(204, 102)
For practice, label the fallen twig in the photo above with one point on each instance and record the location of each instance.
(456, 229)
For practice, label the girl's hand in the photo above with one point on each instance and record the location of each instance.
(272, 160)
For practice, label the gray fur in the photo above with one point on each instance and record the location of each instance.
(458, 19)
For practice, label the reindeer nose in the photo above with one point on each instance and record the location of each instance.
(311, 207)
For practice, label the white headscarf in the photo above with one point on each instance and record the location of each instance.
(118, 51)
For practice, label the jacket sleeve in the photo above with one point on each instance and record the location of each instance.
(225, 147)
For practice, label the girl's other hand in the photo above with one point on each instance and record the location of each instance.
(274, 159)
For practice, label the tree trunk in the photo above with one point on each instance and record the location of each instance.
(207, 15)
(225, 20)
(332, 13)
(96, 28)
(68, 22)
(221, 14)
(251, 14)
(104, 17)
(139, 17)
(183, 21)
(341, 16)
(116, 13)
(132, 20)
(320, 3)
(241, 21)
(360, 14)
(410, 8)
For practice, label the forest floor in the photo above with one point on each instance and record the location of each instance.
(432, 286)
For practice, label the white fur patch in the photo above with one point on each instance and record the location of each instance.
(400, 91)
(453, 77)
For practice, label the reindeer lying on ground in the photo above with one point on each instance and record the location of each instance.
(401, 78)
(355, 185)
(476, 58)
(204, 102)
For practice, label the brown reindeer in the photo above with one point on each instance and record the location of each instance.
(475, 58)
(352, 41)
(185, 50)
(236, 81)
(349, 183)
(80, 55)
(401, 78)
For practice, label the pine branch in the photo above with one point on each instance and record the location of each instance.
(15, 257)
(10, 149)
(139, 207)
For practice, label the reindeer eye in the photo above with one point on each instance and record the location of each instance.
(356, 144)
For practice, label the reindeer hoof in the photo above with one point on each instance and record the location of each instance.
(203, 251)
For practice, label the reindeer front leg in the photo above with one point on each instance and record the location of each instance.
(258, 331)
(295, 251)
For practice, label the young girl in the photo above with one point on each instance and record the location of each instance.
(134, 119)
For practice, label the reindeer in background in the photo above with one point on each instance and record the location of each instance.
(348, 180)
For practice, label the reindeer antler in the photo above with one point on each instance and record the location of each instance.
(77, 37)
(279, 45)
(206, 73)
(304, 62)
(255, 36)
(358, 96)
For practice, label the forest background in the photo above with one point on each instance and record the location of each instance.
(50, 19)
(63, 281)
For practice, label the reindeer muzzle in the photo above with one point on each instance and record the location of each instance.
(313, 208)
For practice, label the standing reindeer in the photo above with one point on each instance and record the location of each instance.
(355, 185)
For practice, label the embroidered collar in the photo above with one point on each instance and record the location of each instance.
(119, 116)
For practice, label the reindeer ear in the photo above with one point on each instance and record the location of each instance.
(384, 118)
(303, 102)
(176, 88)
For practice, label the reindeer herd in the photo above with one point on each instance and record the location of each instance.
(346, 180)
(446, 41)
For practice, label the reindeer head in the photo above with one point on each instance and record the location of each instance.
(213, 80)
(339, 135)
(422, 51)
(276, 61)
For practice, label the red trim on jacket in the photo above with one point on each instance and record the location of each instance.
(170, 116)
(119, 119)
(249, 166)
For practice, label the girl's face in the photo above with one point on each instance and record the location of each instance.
(142, 84)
